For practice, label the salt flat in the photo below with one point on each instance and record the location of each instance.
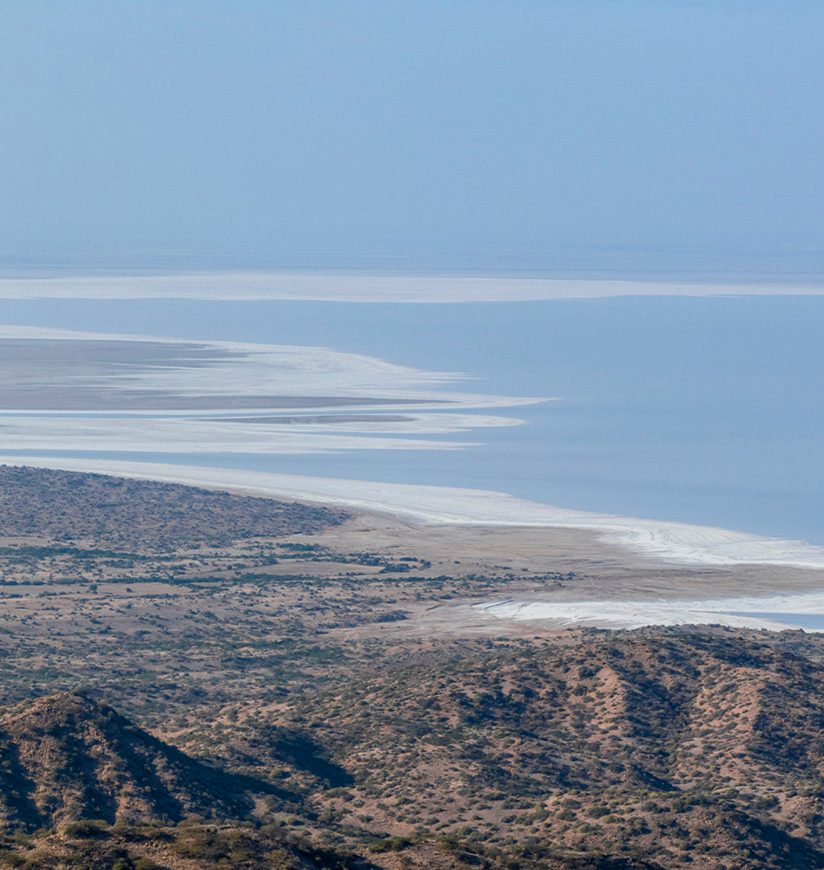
(742, 612)
(69, 359)
(64, 390)
(192, 435)
(258, 285)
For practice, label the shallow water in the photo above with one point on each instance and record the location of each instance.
(810, 621)
(699, 410)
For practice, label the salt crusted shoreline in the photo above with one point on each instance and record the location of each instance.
(667, 541)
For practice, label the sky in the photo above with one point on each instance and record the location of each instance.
(414, 133)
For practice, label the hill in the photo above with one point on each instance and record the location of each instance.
(653, 749)
(670, 748)
(65, 758)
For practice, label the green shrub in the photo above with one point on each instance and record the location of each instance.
(390, 844)
(87, 829)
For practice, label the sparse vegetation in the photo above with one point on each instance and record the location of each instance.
(275, 705)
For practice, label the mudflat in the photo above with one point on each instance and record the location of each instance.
(51, 374)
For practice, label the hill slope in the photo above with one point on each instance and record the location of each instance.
(64, 758)
(143, 515)
(672, 747)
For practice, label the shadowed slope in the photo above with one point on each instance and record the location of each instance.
(673, 747)
(65, 757)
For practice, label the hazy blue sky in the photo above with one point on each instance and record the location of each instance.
(244, 128)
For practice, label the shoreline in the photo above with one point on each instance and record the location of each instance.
(666, 542)
(753, 612)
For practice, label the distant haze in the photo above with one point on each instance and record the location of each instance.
(533, 134)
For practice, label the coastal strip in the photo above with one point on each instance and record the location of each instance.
(678, 543)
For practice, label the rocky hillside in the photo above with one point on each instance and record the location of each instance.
(670, 748)
(92, 845)
(64, 758)
(654, 749)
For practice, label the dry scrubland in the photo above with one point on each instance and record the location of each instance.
(195, 679)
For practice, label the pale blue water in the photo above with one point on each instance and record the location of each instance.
(699, 410)
(799, 620)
